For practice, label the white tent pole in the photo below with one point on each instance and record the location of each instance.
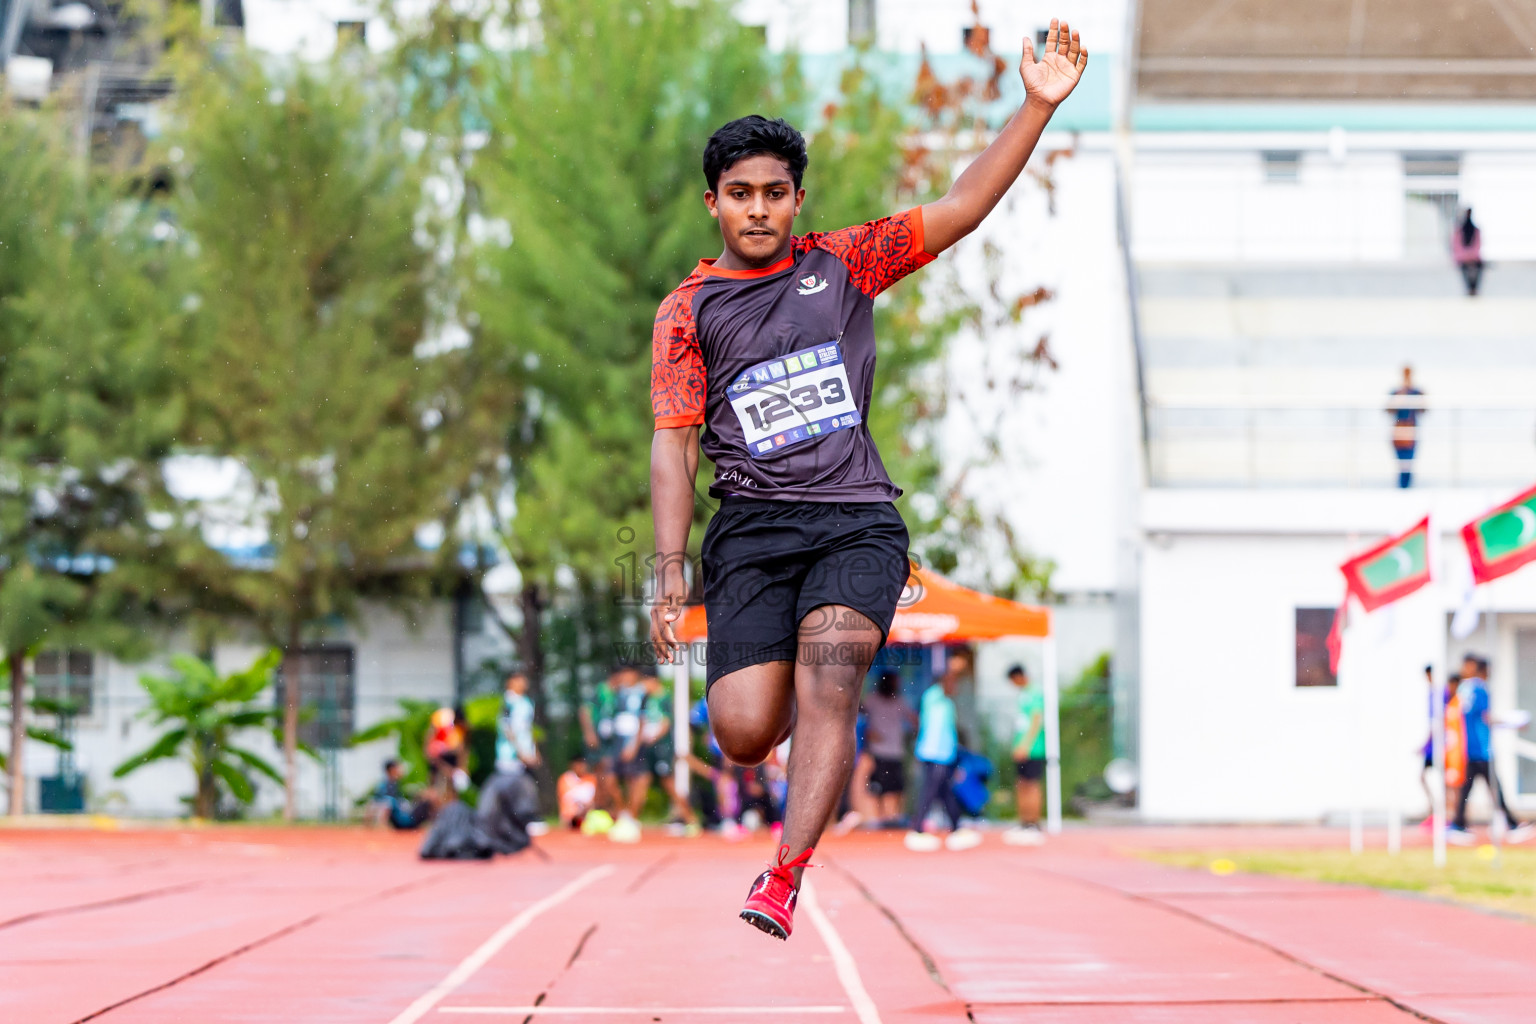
(1052, 733)
(681, 741)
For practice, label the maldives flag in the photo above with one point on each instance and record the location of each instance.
(1504, 539)
(1391, 570)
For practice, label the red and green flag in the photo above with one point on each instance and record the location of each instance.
(1387, 572)
(1391, 570)
(1503, 539)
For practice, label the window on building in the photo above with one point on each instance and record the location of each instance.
(1282, 166)
(229, 13)
(976, 38)
(65, 678)
(861, 22)
(1312, 628)
(327, 693)
(350, 33)
(1432, 165)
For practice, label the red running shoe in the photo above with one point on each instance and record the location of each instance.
(771, 900)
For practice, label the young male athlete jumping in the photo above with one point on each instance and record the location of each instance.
(771, 350)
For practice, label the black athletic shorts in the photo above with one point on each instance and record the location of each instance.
(768, 565)
(889, 777)
(1031, 769)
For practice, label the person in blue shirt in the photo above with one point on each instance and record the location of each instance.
(1472, 696)
(937, 750)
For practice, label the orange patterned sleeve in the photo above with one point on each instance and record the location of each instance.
(877, 254)
(677, 364)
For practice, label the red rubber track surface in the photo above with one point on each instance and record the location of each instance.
(165, 925)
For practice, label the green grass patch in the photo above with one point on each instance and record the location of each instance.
(1504, 882)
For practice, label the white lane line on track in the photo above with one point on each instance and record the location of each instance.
(670, 1010)
(491, 946)
(842, 960)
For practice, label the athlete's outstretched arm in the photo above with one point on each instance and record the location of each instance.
(973, 195)
(674, 465)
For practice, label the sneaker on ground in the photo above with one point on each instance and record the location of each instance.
(848, 822)
(1024, 835)
(1520, 833)
(962, 839)
(625, 830)
(922, 842)
(770, 903)
(677, 829)
(1460, 837)
(538, 828)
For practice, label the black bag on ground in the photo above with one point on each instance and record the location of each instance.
(456, 835)
(508, 801)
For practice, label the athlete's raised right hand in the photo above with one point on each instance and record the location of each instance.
(667, 608)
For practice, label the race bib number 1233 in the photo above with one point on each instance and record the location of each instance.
(793, 399)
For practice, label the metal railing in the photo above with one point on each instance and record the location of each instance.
(1320, 441)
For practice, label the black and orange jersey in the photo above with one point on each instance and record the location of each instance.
(778, 364)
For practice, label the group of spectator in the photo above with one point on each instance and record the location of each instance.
(628, 748)
(952, 779)
(506, 814)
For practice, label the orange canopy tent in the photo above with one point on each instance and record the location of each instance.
(934, 610)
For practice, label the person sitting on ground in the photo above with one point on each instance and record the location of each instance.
(891, 718)
(938, 748)
(1028, 759)
(391, 806)
(577, 789)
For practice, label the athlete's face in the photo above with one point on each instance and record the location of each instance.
(756, 203)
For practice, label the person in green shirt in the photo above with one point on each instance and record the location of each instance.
(602, 743)
(1028, 759)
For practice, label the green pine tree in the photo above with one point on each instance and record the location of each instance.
(87, 409)
(312, 361)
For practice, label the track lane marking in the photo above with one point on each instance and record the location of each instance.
(493, 945)
(842, 960)
(542, 1009)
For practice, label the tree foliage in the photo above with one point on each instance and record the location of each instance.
(206, 713)
(88, 404)
(311, 362)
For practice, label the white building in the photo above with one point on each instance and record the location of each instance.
(1292, 256)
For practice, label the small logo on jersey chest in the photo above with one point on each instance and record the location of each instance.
(810, 284)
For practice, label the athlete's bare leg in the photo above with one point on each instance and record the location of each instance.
(837, 645)
(752, 710)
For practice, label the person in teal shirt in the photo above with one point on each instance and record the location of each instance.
(937, 750)
(1028, 758)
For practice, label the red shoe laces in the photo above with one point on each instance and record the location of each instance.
(784, 872)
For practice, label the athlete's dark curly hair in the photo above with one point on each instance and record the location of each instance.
(754, 135)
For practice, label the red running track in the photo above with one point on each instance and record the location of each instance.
(157, 926)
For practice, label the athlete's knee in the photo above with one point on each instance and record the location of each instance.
(747, 747)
